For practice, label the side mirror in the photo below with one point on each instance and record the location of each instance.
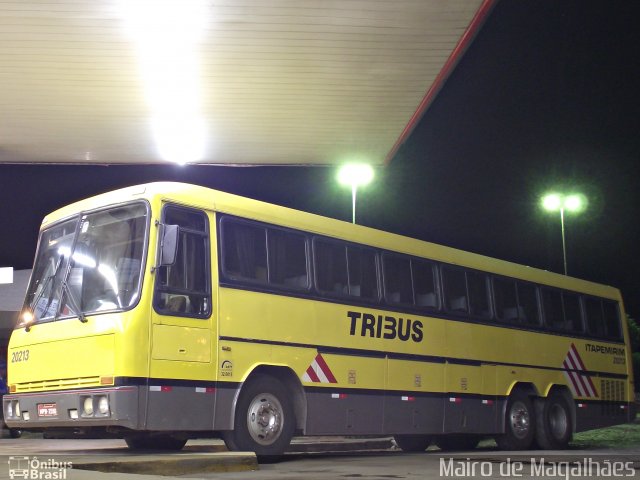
(168, 244)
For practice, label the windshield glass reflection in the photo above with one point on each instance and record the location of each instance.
(88, 268)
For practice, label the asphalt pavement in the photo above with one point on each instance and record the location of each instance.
(311, 458)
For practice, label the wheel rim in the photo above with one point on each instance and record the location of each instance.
(265, 418)
(558, 421)
(520, 420)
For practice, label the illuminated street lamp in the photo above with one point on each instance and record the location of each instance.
(355, 175)
(574, 203)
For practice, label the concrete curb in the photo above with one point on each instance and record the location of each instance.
(179, 464)
(215, 458)
(328, 444)
(309, 445)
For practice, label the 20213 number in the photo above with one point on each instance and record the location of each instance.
(20, 356)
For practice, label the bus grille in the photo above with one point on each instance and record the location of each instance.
(612, 393)
(58, 384)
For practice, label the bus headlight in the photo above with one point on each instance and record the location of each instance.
(103, 405)
(87, 406)
(17, 409)
(9, 410)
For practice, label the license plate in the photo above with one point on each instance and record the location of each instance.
(47, 410)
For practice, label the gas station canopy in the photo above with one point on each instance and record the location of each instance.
(278, 82)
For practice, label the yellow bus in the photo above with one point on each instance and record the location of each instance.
(164, 312)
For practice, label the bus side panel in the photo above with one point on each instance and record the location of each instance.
(610, 409)
(358, 413)
(413, 415)
(349, 398)
(609, 404)
(225, 405)
(590, 416)
(467, 409)
(414, 402)
(187, 408)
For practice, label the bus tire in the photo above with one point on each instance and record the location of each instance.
(554, 423)
(264, 421)
(519, 423)
(451, 443)
(413, 443)
(155, 442)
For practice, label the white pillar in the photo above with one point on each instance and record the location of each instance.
(6, 275)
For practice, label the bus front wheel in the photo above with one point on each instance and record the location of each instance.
(520, 425)
(554, 423)
(264, 421)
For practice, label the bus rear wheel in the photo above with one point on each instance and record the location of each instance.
(519, 423)
(413, 443)
(155, 442)
(554, 423)
(264, 421)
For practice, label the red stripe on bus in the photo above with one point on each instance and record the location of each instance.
(577, 379)
(574, 350)
(325, 369)
(593, 387)
(312, 375)
(572, 377)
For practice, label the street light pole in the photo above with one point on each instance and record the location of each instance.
(573, 203)
(355, 175)
(564, 243)
(354, 190)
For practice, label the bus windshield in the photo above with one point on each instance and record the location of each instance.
(88, 264)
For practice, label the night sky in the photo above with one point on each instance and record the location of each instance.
(546, 97)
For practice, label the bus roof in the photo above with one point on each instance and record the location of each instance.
(215, 200)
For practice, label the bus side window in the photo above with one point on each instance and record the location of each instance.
(397, 279)
(363, 277)
(184, 287)
(425, 284)
(528, 303)
(330, 261)
(595, 318)
(506, 300)
(572, 315)
(287, 259)
(612, 320)
(478, 288)
(455, 290)
(244, 251)
(552, 304)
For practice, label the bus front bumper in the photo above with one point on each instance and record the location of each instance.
(75, 409)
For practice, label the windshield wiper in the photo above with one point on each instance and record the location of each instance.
(33, 305)
(65, 291)
(72, 300)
